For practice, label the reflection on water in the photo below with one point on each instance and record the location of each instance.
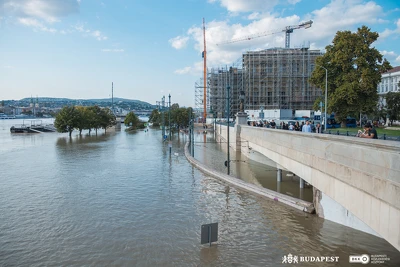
(213, 153)
(120, 199)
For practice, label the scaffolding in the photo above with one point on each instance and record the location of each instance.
(220, 80)
(277, 78)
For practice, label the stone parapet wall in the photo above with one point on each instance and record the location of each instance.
(362, 175)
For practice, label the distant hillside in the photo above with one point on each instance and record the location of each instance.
(116, 100)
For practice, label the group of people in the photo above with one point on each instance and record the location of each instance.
(301, 127)
(309, 127)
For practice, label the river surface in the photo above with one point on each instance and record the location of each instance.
(120, 199)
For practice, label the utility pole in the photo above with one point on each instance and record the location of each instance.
(163, 119)
(227, 116)
(169, 118)
(112, 97)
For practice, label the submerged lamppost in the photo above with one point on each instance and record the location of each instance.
(169, 118)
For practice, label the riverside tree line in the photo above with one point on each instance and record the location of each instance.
(83, 118)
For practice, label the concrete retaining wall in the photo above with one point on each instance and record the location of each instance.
(264, 192)
(362, 175)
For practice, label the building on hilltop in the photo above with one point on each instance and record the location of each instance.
(276, 78)
(389, 83)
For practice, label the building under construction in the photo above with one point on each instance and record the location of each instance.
(276, 78)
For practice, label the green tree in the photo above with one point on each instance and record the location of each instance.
(107, 118)
(67, 120)
(84, 119)
(354, 71)
(95, 118)
(393, 106)
(155, 117)
(133, 122)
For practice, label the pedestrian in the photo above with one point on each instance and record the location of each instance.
(318, 128)
(369, 132)
(272, 124)
(306, 127)
(291, 127)
(297, 127)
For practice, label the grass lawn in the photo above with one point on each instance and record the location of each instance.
(380, 131)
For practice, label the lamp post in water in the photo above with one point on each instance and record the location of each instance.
(169, 118)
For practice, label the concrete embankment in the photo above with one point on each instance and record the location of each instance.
(264, 192)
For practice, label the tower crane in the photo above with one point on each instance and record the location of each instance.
(288, 30)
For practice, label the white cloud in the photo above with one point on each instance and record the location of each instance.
(8, 67)
(99, 36)
(338, 15)
(387, 32)
(43, 14)
(388, 53)
(246, 5)
(49, 11)
(398, 60)
(179, 42)
(113, 50)
(36, 24)
(183, 71)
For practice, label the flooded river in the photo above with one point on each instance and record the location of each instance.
(121, 200)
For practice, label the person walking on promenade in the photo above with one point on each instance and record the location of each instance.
(272, 124)
(318, 128)
(306, 127)
(297, 127)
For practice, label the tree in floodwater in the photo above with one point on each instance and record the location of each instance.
(95, 120)
(67, 120)
(354, 71)
(107, 119)
(155, 117)
(133, 122)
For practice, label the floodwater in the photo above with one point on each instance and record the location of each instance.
(120, 199)
(213, 152)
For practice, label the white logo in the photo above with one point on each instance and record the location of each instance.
(290, 259)
(364, 259)
(296, 259)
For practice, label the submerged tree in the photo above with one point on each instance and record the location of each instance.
(155, 117)
(67, 120)
(133, 122)
(354, 71)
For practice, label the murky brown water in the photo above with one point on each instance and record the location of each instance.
(213, 152)
(120, 200)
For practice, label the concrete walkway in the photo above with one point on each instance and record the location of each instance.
(261, 191)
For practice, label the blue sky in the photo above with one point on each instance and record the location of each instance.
(76, 48)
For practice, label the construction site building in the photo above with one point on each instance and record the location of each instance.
(276, 78)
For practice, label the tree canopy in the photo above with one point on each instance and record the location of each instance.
(133, 121)
(80, 118)
(354, 72)
(393, 106)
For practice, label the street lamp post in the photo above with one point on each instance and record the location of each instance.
(228, 115)
(169, 118)
(326, 95)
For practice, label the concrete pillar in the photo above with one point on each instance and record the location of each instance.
(278, 187)
(279, 175)
(301, 183)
